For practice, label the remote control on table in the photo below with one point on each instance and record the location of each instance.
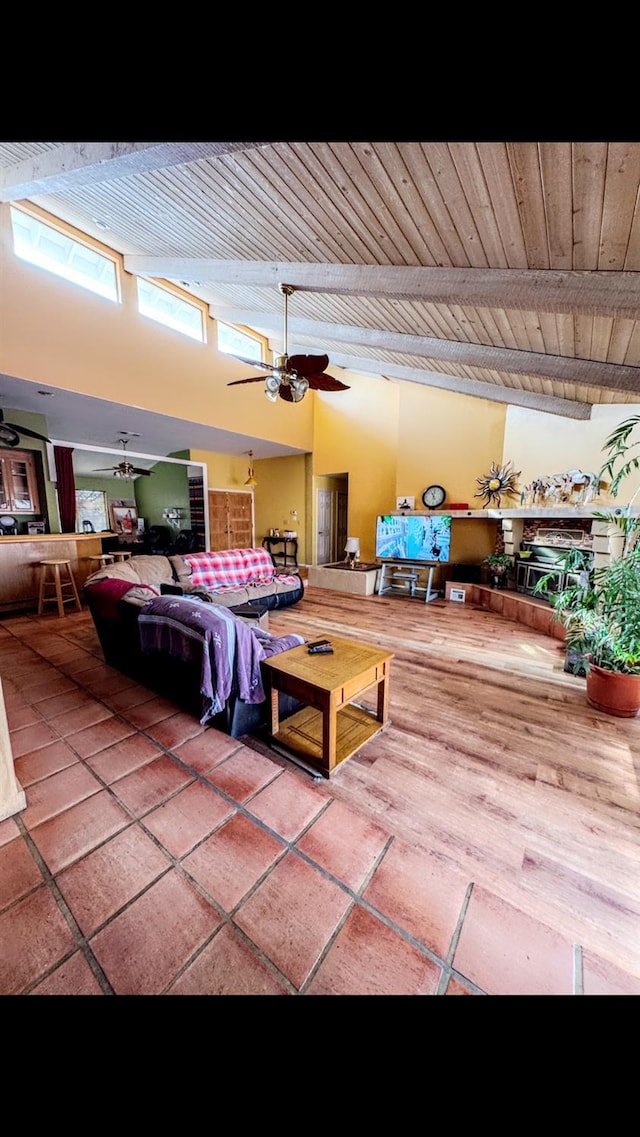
(320, 647)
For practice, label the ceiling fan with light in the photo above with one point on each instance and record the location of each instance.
(124, 469)
(291, 376)
(10, 433)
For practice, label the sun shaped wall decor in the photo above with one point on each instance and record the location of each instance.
(500, 480)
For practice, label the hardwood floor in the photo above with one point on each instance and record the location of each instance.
(494, 761)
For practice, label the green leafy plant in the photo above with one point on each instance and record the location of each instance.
(498, 560)
(600, 611)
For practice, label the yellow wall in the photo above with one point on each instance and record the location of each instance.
(447, 439)
(553, 445)
(224, 471)
(55, 333)
(281, 491)
(356, 432)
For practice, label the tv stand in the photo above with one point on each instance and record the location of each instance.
(407, 578)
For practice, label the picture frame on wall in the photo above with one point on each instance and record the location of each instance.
(124, 519)
(405, 502)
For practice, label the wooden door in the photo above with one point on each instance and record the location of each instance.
(324, 548)
(230, 520)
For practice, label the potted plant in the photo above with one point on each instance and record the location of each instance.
(498, 565)
(600, 611)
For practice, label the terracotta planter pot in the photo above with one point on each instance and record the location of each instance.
(612, 692)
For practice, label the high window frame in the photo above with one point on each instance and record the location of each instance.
(162, 303)
(233, 339)
(52, 248)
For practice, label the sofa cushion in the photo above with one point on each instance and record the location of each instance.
(137, 570)
(181, 570)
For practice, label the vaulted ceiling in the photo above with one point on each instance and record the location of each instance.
(505, 270)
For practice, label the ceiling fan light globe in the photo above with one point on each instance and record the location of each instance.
(299, 387)
(272, 383)
(272, 395)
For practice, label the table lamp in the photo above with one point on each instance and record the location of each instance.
(352, 549)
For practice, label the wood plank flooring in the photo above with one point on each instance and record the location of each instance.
(495, 761)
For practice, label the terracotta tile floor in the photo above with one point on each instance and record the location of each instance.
(155, 857)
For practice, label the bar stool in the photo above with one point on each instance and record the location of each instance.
(59, 584)
(103, 558)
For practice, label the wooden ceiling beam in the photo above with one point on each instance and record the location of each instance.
(89, 163)
(564, 369)
(525, 290)
(472, 387)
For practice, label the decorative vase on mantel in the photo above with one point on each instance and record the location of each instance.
(499, 576)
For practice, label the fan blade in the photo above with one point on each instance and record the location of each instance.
(326, 383)
(308, 364)
(284, 392)
(25, 430)
(253, 379)
(146, 473)
(259, 363)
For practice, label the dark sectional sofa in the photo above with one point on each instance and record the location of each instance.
(173, 661)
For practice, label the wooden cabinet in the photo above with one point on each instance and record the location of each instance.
(230, 520)
(18, 482)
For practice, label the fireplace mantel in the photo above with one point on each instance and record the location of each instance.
(532, 512)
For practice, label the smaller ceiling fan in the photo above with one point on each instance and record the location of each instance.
(291, 376)
(10, 433)
(124, 469)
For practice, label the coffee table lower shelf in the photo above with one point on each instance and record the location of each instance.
(302, 733)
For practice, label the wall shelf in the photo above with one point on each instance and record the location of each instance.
(534, 511)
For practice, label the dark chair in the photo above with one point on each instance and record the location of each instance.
(186, 542)
(156, 541)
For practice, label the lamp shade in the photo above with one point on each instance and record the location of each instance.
(352, 545)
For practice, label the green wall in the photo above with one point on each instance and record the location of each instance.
(167, 487)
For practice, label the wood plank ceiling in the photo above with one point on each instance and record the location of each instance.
(508, 271)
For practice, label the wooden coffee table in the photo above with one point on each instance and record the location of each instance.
(329, 728)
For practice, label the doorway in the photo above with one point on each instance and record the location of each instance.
(331, 519)
(324, 538)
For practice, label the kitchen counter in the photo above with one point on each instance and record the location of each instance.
(20, 557)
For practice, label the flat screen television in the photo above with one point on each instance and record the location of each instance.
(405, 538)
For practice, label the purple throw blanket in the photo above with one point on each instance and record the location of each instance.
(228, 650)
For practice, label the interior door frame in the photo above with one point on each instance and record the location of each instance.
(242, 490)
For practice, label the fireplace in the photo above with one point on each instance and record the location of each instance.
(546, 555)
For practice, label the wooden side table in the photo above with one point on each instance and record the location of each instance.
(330, 728)
(288, 556)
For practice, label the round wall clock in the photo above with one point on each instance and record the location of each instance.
(433, 496)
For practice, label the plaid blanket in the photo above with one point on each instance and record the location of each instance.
(228, 650)
(230, 568)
